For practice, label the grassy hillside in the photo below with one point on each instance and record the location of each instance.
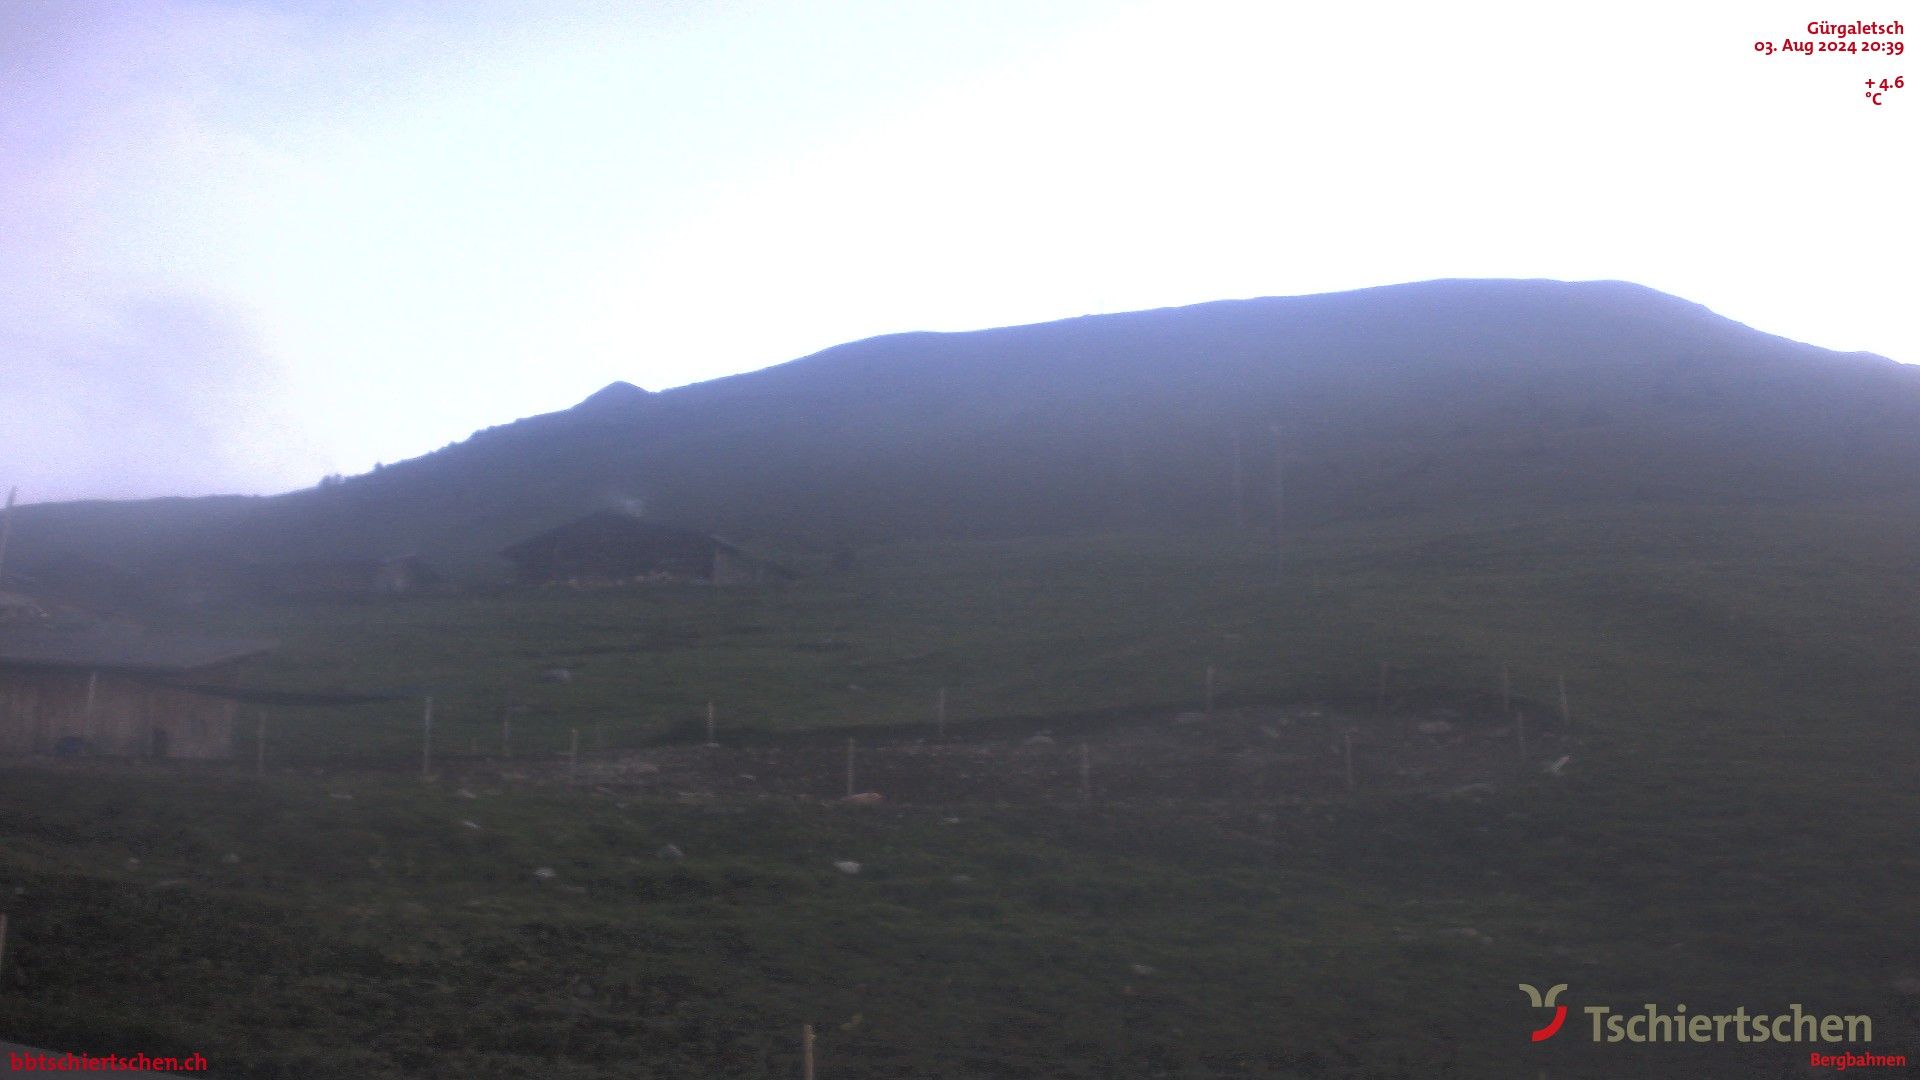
(1735, 609)
(1733, 828)
(1439, 397)
(1344, 868)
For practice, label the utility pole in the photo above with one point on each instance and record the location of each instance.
(1279, 502)
(1239, 484)
(6, 526)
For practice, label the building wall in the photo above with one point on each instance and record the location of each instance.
(129, 716)
(617, 562)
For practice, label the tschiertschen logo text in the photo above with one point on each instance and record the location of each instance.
(1656, 1024)
(1652, 1024)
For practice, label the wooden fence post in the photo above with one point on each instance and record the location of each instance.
(86, 715)
(806, 1051)
(940, 713)
(426, 740)
(573, 756)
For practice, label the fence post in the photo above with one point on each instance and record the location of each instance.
(426, 740)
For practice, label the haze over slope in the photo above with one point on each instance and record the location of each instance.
(1433, 396)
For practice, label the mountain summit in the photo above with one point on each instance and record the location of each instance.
(614, 395)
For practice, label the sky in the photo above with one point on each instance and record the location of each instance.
(246, 244)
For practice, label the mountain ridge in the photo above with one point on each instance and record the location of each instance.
(1393, 399)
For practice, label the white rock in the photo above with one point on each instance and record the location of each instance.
(474, 825)
(544, 873)
(670, 852)
(847, 866)
(1554, 767)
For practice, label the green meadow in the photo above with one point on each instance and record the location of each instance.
(1733, 825)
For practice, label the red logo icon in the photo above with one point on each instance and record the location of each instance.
(1547, 1002)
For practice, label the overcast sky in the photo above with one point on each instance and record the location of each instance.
(244, 244)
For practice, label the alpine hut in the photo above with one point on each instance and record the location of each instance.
(614, 547)
(118, 692)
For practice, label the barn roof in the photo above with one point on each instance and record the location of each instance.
(615, 526)
(120, 650)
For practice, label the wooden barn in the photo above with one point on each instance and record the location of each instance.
(613, 547)
(117, 693)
